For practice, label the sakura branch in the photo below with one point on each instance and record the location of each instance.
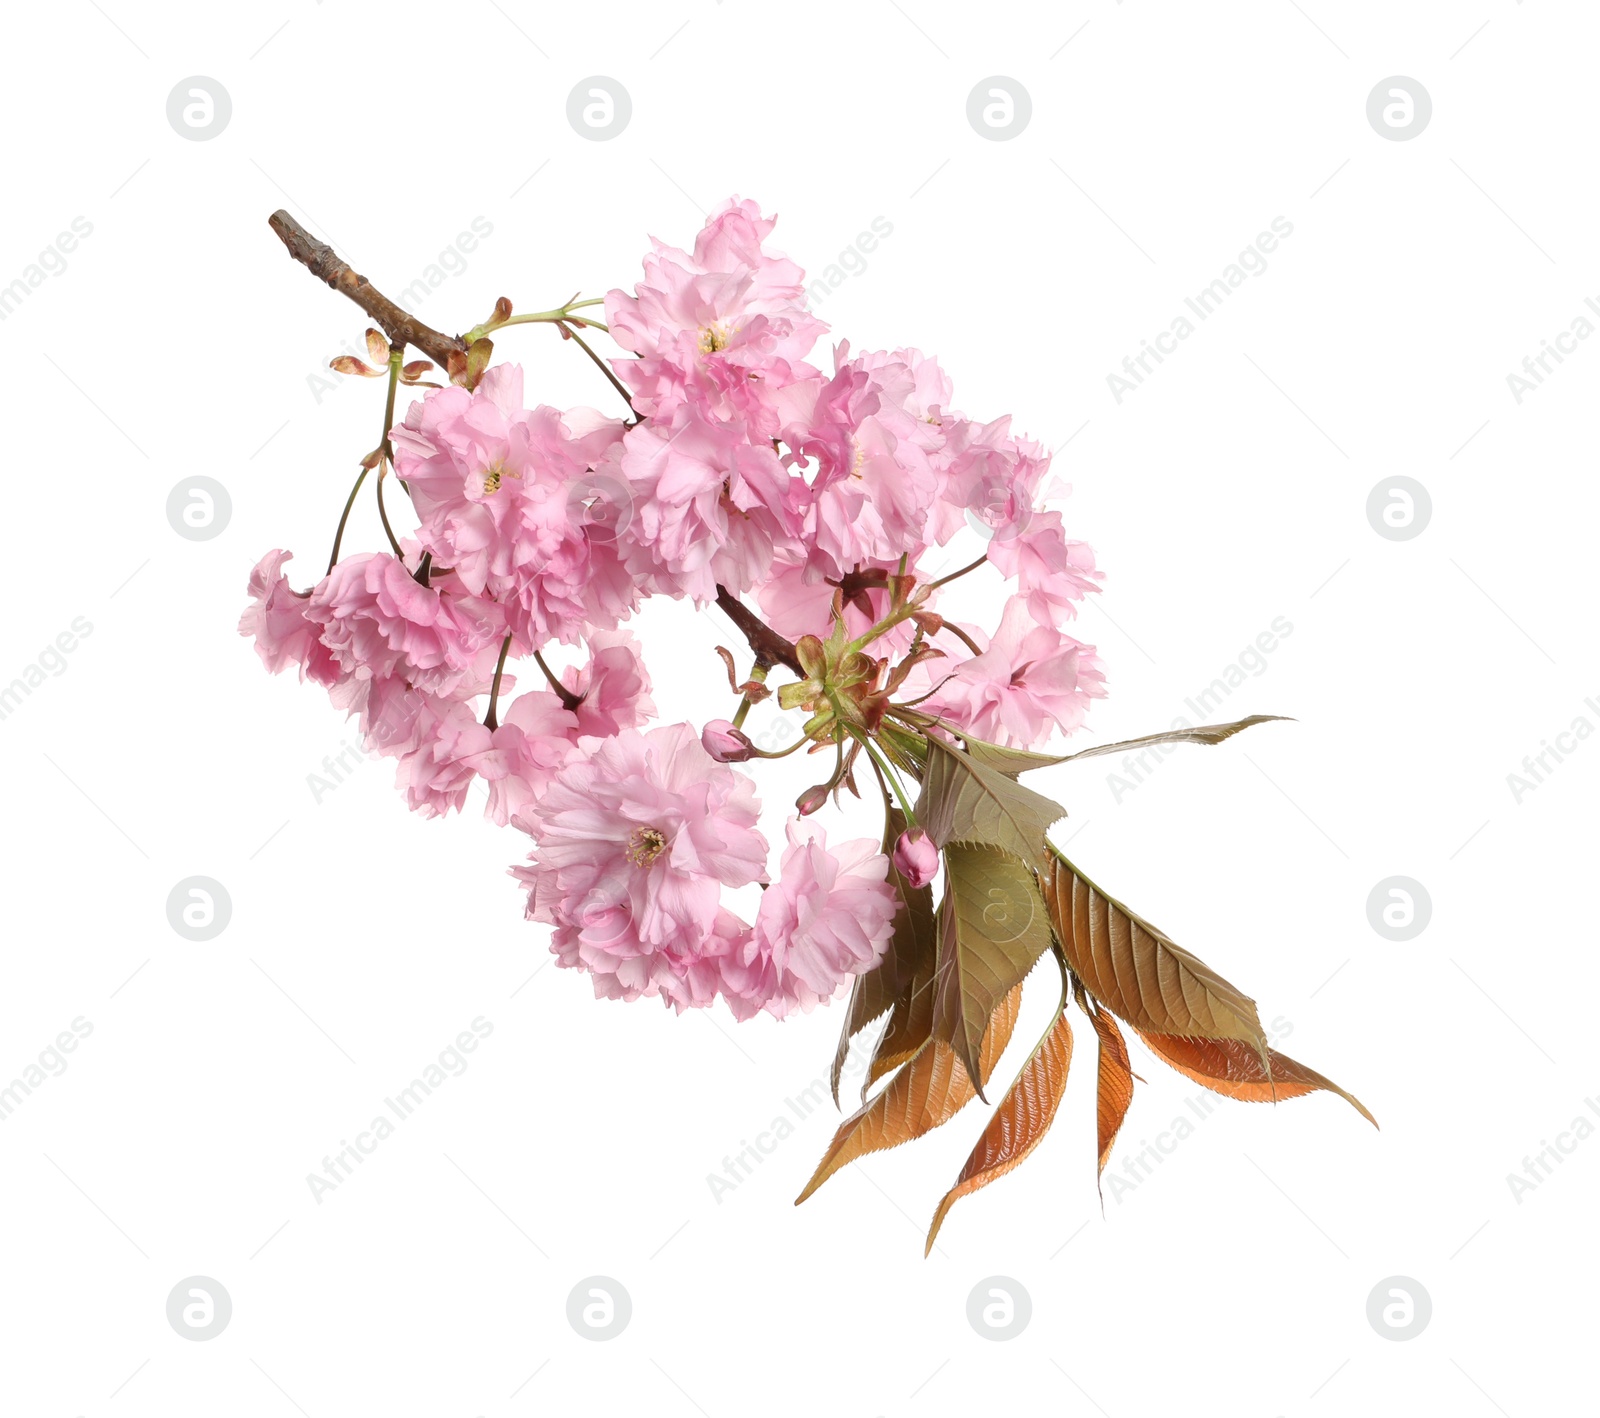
(819, 512)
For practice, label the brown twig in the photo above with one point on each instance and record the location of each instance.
(327, 265)
(770, 647)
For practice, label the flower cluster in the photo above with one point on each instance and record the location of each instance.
(817, 501)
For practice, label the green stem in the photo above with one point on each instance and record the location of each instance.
(349, 502)
(882, 764)
(757, 673)
(383, 514)
(795, 747)
(540, 317)
(386, 449)
(888, 623)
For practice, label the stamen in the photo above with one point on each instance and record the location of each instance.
(645, 845)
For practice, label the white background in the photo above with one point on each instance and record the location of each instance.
(1230, 489)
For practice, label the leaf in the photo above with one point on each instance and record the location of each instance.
(349, 364)
(992, 928)
(908, 751)
(410, 373)
(1113, 1086)
(911, 941)
(964, 801)
(377, 347)
(1137, 971)
(911, 1020)
(1206, 733)
(927, 1092)
(1019, 1123)
(1015, 761)
(479, 352)
(1010, 761)
(1232, 1068)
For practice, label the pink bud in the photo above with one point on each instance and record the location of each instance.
(812, 799)
(915, 857)
(725, 743)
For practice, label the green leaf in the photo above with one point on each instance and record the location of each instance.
(1010, 761)
(899, 980)
(963, 800)
(1206, 733)
(904, 748)
(479, 352)
(992, 928)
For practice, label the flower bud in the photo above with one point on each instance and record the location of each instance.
(915, 857)
(812, 799)
(725, 743)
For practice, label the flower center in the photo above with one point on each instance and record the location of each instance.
(493, 475)
(712, 339)
(645, 845)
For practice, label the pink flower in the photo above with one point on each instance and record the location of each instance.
(283, 632)
(1029, 681)
(1051, 572)
(708, 506)
(378, 621)
(873, 483)
(435, 741)
(722, 329)
(989, 480)
(506, 499)
(614, 687)
(798, 600)
(635, 843)
(436, 771)
(915, 857)
(725, 743)
(827, 918)
(536, 738)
